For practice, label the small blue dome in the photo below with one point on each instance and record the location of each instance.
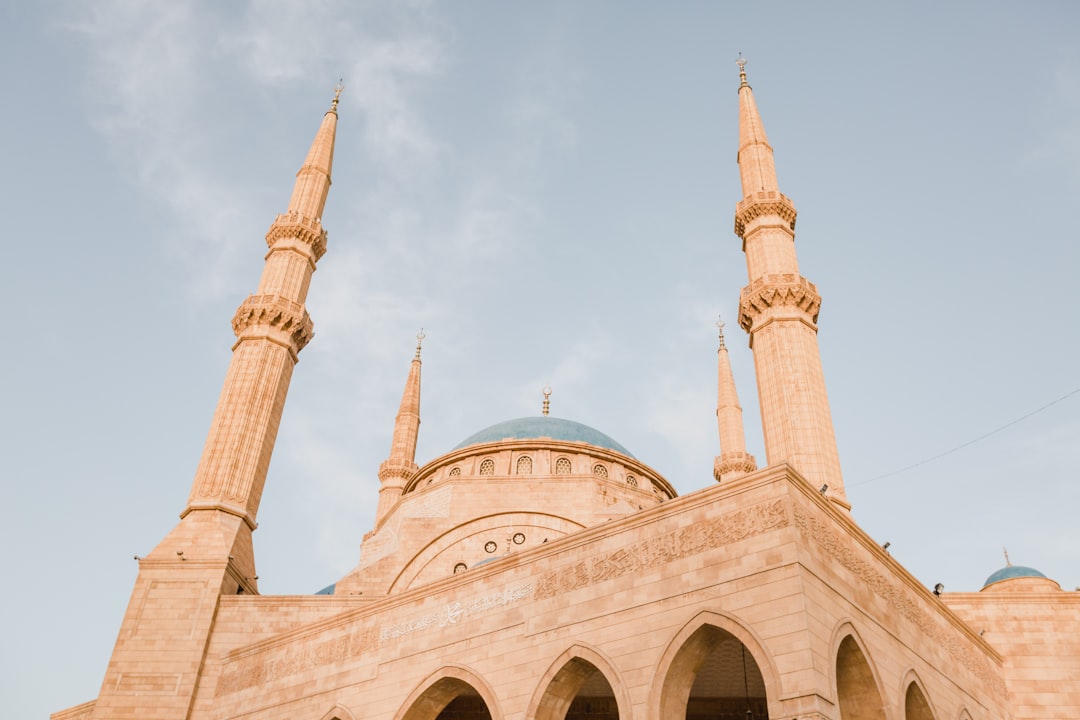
(533, 428)
(1012, 571)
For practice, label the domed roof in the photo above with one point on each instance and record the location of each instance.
(534, 428)
(1012, 571)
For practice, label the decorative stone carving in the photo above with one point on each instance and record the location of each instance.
(783, 289)
(761, 204)
(278, 313)
(902, 600)
(298, 227)
(724, 530)
(733, 464)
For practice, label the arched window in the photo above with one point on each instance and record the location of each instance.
(631, 481)
(487, 467)
(455, 471)
(524, 465)
(599, 470)
(562, 466)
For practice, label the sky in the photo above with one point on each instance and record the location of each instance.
(548, 190)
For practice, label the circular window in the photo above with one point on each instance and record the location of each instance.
(460, 568)
(491, 546)
(599, 470)
(487, 467)
(519, 538)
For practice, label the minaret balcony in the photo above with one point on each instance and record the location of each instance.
(295, 226)
(763, 204)
(275, 318)
(768, 296)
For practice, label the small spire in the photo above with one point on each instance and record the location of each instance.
(741, 62)
(337, 94)
(419, 339)
(1008, 563)
(547, 400)
(720, 327)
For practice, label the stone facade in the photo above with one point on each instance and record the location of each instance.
(544, 573)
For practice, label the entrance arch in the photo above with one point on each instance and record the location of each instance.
(580, 684)
(451, 693)
(857, 690)
(714, 668)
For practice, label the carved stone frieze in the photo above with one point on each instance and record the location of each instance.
(273, 311)
(699, 537)
(761, 204)
(902, 600)
(299, 227)
(779, 290)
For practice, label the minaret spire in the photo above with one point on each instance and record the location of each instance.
(733, 461)
(209, 553)
(401, 464)
(779, 309)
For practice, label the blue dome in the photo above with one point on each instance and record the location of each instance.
(1012, 571)
(533, 428)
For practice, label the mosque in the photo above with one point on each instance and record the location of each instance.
(540, 571)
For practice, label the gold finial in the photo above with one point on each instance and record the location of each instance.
(547, 400)
(337, 94)
(1008, 563)
(720, 327)
(419, 339)
(741, 62)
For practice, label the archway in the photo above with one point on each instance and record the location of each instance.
(916, 707)
(579, 687)
(714, 676)
(457, 694)
(856, 690)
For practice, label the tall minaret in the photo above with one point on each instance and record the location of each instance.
(209, 554)
(401, 464)
(779, 309)
(733, 461)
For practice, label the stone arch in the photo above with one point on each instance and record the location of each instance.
(444, 686)
(566, 677)
(692, 647)
(916, 701)
(338, 713)
(963, 715)
(855, 681)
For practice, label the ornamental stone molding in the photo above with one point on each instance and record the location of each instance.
(401, 471)
(295, 226)
(276, 313)
(779, 290)
(760, 204)
(732, 465)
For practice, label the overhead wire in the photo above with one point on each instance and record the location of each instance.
(969, 442)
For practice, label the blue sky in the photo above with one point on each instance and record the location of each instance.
(547, 189)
